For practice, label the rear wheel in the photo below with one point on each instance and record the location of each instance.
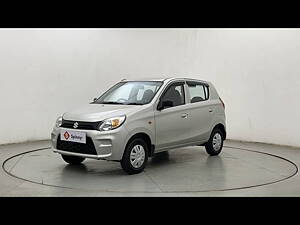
(215, 143)
(135, 156)
(73, 160)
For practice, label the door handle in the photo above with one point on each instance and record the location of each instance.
(184, 115)
(210, 110)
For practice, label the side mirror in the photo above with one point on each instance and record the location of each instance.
(95, 99)
(165, 104)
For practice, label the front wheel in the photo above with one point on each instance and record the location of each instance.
(135, 156)
(215, 143)
(73, 160)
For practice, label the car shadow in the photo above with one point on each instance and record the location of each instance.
(91, 168)
(80, 168)
(160, 158)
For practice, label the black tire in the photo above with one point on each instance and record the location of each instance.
(126, 161)
(209, 146)
(73, 160)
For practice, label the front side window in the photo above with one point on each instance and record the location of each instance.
(198, 92)
(174, 94)
(130, 93)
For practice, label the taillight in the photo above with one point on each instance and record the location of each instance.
(222, 102)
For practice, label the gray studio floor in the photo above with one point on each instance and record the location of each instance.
(242, 169)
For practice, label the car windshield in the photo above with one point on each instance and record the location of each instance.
(130, 93)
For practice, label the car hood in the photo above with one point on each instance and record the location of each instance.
(98, 112)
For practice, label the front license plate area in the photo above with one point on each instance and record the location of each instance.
(73, 136)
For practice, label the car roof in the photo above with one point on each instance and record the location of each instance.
(145, 79)
(164, 79)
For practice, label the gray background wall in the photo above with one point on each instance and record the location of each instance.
(44, 72)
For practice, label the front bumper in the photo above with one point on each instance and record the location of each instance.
(82, 155)
(109, 145)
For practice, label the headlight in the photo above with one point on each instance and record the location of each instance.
(112, 123)
(58, 121)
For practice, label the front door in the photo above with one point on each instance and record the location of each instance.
(172, 121)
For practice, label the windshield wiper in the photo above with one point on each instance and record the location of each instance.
(134, 103)
(110, 102)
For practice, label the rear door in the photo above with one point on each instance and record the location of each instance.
(200, 111)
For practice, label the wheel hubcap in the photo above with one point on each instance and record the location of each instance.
(137, 156)
(217, 141)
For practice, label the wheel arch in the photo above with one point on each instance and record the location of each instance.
(146, 138)
(222, 128)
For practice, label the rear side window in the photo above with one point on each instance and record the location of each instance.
(198, 92)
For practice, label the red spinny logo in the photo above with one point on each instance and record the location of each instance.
(66, 135)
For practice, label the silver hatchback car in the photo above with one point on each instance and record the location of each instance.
(135, 119)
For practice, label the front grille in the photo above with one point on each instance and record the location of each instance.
(75, 147)
(81, 125)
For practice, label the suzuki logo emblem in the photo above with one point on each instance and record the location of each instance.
(75, 125)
